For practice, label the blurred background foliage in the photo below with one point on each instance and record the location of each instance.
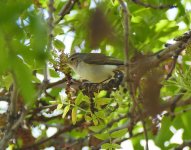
(90, 26)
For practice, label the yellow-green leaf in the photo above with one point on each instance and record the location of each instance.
(119, 133)
(102, 136)
(59, 44)
(59, 106)
(95, 121)
(88, 118)
(66, 109)
(110, 146)
(102, 101)
(74, 115)
(80, 98)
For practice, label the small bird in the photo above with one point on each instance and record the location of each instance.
(94, 67)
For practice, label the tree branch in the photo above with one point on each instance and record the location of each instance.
(50, 37)
(138, 2)
(126, 34)
(60, 83)
(11, 116)
(66, 9)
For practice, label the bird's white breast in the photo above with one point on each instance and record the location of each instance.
(94, 73)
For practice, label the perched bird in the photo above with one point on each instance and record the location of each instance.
(94, 67)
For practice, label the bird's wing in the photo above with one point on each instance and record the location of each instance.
(101, 59)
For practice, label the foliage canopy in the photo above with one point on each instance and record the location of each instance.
(36, 37)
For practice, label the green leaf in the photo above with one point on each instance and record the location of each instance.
(136, 142)
(77, 134)
(24, 80)
(58, 30)
(102, 101)
(119, 133)
(59, 106)
(58, 44)
(100, 114)
(88, 118)
(66, 109)
(80, 98)
(102, 136)
(164, 134)
(101, 94)
(95, 121)
(110, 146)
(184, 122)
(6, 81)
(96, 128)
(53, 73)
(74, 115)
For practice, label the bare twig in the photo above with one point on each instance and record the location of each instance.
(11, 117)
(139, 2)
(126, 34)
(66, 9)
(38, 109)
(50, 37)
(60, 83)
(10, 131)
(172, 68)
(19, 121)
(184, 103)
(50, 23)
(13, 103)
(5, 98)
(128, 75)
(178, 112)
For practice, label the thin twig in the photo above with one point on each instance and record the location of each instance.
(38, 109)
(18, 122)
(10, 130)
(49, 95)
(50, 37)
(57, 84)
(178, 112)
(138, 2)
(66, 9)
(12, 115)
(172, 68)
(13, 103)
(5, 98)
(126, 34)
(128, 75)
